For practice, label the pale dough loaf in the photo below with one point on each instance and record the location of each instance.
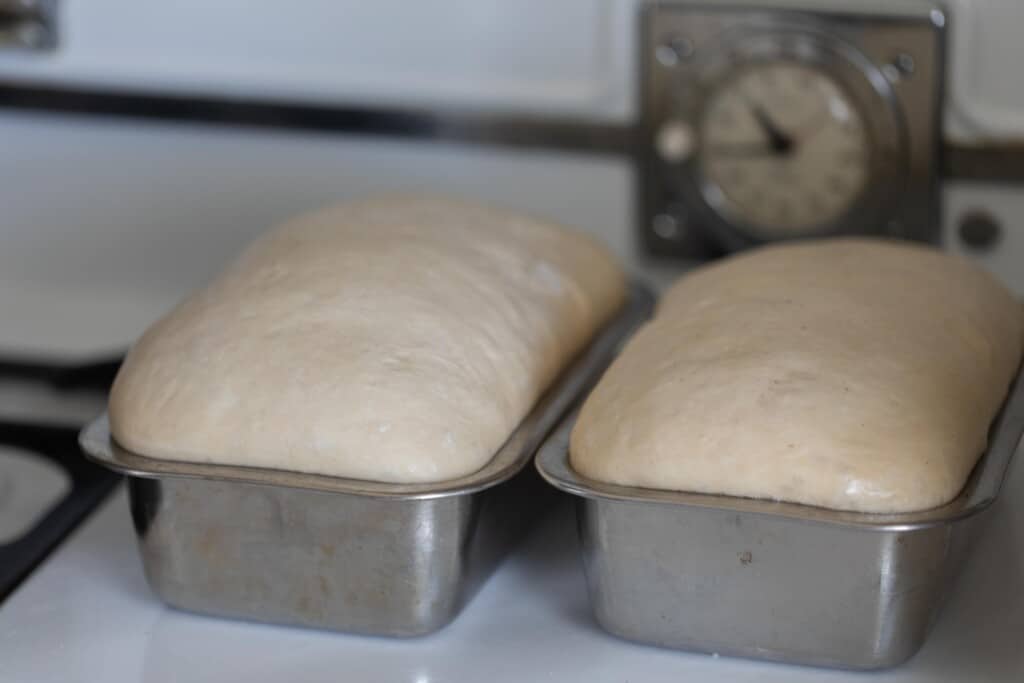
(851, 374)
(398, 339)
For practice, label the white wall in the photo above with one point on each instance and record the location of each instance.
(571, 57)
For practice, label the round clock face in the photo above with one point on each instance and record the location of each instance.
(783, 149)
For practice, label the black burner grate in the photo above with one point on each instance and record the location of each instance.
(57, 444)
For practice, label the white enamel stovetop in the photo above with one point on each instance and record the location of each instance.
(88, 267)
(88, 615)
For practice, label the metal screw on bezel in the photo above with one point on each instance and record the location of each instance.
(673, 51)
(902, 66)
(667, 227)
(979, 230)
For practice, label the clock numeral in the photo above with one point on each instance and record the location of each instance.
(765, 77)
(814, 203)
(849, 126)
(736, 174)
(725, 117)
(836, 183)
(850, 157)
(783, 209)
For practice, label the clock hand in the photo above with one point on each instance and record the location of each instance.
(777, 140)
(743, 150)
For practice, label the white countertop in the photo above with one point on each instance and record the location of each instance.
(87, 614)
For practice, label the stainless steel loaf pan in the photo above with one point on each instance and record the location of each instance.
(342, 554)
(770, 580)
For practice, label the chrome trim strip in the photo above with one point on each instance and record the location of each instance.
(991, 162)
(523, 130)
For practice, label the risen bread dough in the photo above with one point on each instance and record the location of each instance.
(849, 374)
(393, 339)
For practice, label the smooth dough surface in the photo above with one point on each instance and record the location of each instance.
(851, 374)
(396, 339)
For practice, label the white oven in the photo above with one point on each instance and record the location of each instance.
(145, 142)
